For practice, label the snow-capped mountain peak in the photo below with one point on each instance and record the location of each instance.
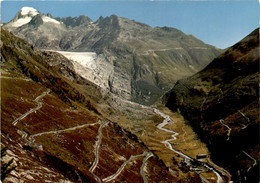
(26, 15)
(29, 11)
(23, 17)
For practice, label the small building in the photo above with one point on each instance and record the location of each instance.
(201, 156)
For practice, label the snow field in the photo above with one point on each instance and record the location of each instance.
(86, 59)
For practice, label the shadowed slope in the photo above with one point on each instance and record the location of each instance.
(221, 103)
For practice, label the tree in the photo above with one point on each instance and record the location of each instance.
(6, 168)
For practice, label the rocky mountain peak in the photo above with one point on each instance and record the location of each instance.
(23, 17)
(30, 16)
(101, 18)
(75, 21)
(108, 21)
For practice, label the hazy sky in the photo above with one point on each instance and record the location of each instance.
(219, 23)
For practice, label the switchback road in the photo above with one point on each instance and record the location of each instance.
(32, 110)
(94, 165)
(60, 131)
(111, 177)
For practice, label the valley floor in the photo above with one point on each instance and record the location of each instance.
(175, 142)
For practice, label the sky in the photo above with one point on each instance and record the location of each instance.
(220, 23)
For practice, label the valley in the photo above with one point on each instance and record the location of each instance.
(119, 101)
(79, 143)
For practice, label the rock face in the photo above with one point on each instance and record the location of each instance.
(134, 60)
(222, 104)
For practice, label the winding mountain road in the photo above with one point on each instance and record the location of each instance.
(32, 110)
(253, 159)
(143, 166)
(94, 165)
(165, 122)
(203, 178)
(248, 120)
(244, 115)
(160, 126)
(111, 177)
(219, 178)
(59, 131)
(229, 129)
(168, 121)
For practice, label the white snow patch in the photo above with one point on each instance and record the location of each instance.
(21, 21)
(29, 11)
(90, 66)
(48, 19)
(86, 59)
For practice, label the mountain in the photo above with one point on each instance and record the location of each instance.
(47, 30)
(60, 127)
(133, 60)
(222, 104)
(24, 16)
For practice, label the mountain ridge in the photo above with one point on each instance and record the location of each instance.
(145, 59)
